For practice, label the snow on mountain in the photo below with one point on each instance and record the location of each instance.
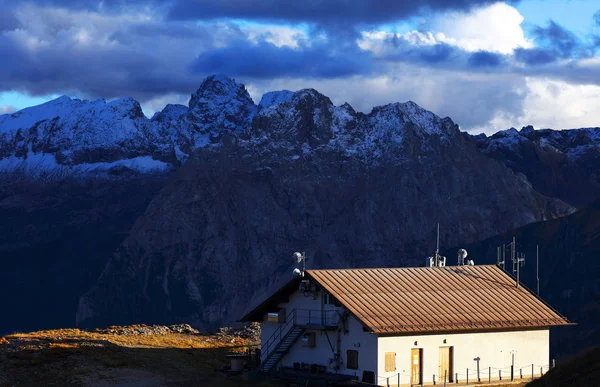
(274, 98)
(171, 112)
(554, 161)
(82, 136)
(78, 136)
(221, 105)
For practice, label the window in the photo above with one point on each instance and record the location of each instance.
(352, 359)
(330, 300)
(390, 361)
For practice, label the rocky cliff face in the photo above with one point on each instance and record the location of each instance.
(352, 189)
(559, 163)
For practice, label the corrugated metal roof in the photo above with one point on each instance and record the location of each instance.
(426, 299)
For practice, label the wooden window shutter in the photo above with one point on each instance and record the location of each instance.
(390, 361)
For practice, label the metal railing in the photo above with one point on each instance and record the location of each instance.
(317, 317)
(306, 318)
(487, 375)
(282, 330)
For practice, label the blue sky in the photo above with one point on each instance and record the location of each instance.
(488, 65)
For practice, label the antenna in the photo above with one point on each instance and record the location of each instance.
(500, 251)
(437, 260)
(300, 257)
(537, 267)
(518, 260)
(437, 249)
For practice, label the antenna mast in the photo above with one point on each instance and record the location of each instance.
(537, 267)
(437, 260)
(518, 260)
(437, 249)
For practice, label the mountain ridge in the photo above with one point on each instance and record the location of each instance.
(242, 186)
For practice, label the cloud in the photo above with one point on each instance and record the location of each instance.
(322, 12)
(536, 56)
(485, 59)
(6, 109)
(597, 18)
(265, 60)
(558, 38)
(8, 21)
(494, 28)
(97, 55)
(560, 105)
(553, 43)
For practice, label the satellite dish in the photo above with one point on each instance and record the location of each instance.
(297, 273)
(297, 257)
(462, 253)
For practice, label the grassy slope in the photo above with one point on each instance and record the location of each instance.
(583, 370)
(74, 357)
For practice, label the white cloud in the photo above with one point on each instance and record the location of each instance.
(495, 28)
(278, 35)
(6, 109)
(550, 104)
(559, 105)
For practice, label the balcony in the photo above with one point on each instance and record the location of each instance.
(317, 319)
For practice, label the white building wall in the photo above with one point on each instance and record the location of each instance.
(494, 350)
(322, 354)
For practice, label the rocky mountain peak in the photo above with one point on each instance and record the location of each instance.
(273, 98)
(410, 115)
(220, 103)
(527, 130)
(171, 112)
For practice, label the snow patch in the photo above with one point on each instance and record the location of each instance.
(275, 98)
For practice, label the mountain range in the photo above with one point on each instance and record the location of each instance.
(110, 217)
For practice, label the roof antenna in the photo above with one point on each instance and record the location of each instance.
(437, 260)
(518, 260)
(537, 267)
(437, 249)
(299, 257)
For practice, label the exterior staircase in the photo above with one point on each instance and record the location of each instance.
(283, 347)
(284, 337)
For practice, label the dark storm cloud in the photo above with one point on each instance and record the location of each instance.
(536, 56)
(265, 60)
(336, 12)
(555, 42)
(399, 49)
(440, 55)
(485, 59)
(82, 4)
(558, 38)
(94, 71)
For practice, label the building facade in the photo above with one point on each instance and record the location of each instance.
(410, 326)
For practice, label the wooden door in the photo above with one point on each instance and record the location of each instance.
(416, 364)
(445, 364)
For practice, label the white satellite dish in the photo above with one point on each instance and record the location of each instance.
(462, 254)
(298, 257)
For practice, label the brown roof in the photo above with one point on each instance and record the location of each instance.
(426, 299)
